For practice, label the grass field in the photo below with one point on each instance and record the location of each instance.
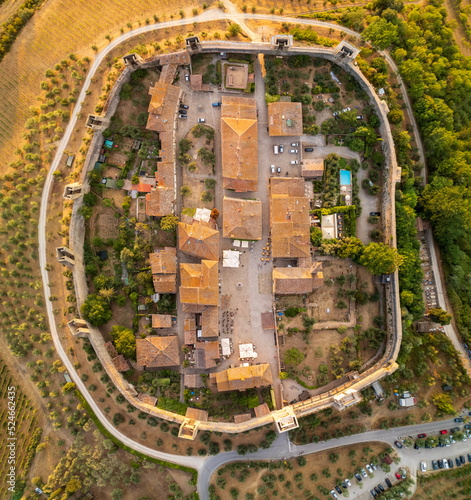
(59, 28)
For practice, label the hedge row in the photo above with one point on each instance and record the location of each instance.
(117, 442)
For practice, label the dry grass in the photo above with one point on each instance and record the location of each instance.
(59, 28)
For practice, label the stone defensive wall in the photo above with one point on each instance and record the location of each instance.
(385, 366)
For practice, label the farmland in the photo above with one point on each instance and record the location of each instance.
(45, 41)
(19, 420)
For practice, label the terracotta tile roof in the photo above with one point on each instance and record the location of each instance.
(141, 187)
(163, 106)
(243, 417)
(161, 321)
(163, 261)
(292, 280)
(239, 137)
(200, 283)
(289, 218)
(160, 201)
(196, 82)
(268, 321)
(211, 353)
(196, 414)
(262, 410)
(244, 377)
(147, 399)
(193, 380)
(168, 72)
(285, 118)
(242, 219)
(121, 363)
(111, 349)
(158, 352)
(165, 283)
(210, 322)
(165, 174)
(312, 168)
(198, 240)
(189, 329)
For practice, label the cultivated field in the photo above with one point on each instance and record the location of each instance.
(26, 429)
(59, 28)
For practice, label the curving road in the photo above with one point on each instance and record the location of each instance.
(281, 447)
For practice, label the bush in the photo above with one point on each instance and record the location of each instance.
(117, 419)
(292, 312)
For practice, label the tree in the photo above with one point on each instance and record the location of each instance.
(73, 485)
(438, 315)
(185, 191)
(234, 29)
(124, 341)
(381, 33)
(96, 310)
(350, 248)
(209, 183)
(69, 387)
(206, 197)
(293, 356)
(316, 236)
(396, 116)
(169, 223)
(380, 259)
(444, 403)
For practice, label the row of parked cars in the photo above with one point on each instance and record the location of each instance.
(377, 490)
(446, 463)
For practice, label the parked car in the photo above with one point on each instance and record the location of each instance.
(454, 429)
(344, 486)
(217, 104)
(451, 439)
(463, 461)
(459, 419)
(381, 487)
(444, 431)
(388, 482)
(369, 469)
(293, 162)
(281, 148)
(278, 170)
(446, 465)
(398, 444)
(201, 120)
(469, 457)
(272, 168)
(398, 476)
(378, 491)
(422, 436)
(320, 96)
(184, 106)
(348, 483)
(358, 477)
(187, 77)
(363, 473)
(182, 116)
(373, 493)
(293, 151)
(458, 462)
(332, 492)
(434, 465)
(450, 463)
(423, 466)
(338, 490)
(359, 117)
(375, 214)
(183, 111)
(309, 150)
(373, 466)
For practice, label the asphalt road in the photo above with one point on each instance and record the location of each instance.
(281, 447)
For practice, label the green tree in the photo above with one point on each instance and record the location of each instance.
(380, 32)
(234, 29)
(316, 236)
(124, 341)
(293, 356)
(438, 315)
(350, 248)
(69, 387)
(96, 310)
(169, 223)
(380, 259)
(444, 403)
(185, 191)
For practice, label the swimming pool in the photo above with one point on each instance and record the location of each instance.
(345, 178)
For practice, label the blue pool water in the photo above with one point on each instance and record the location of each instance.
(345, 178)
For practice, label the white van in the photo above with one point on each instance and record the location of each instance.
(275, 149)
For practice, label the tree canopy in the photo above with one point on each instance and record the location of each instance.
(96, 310)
